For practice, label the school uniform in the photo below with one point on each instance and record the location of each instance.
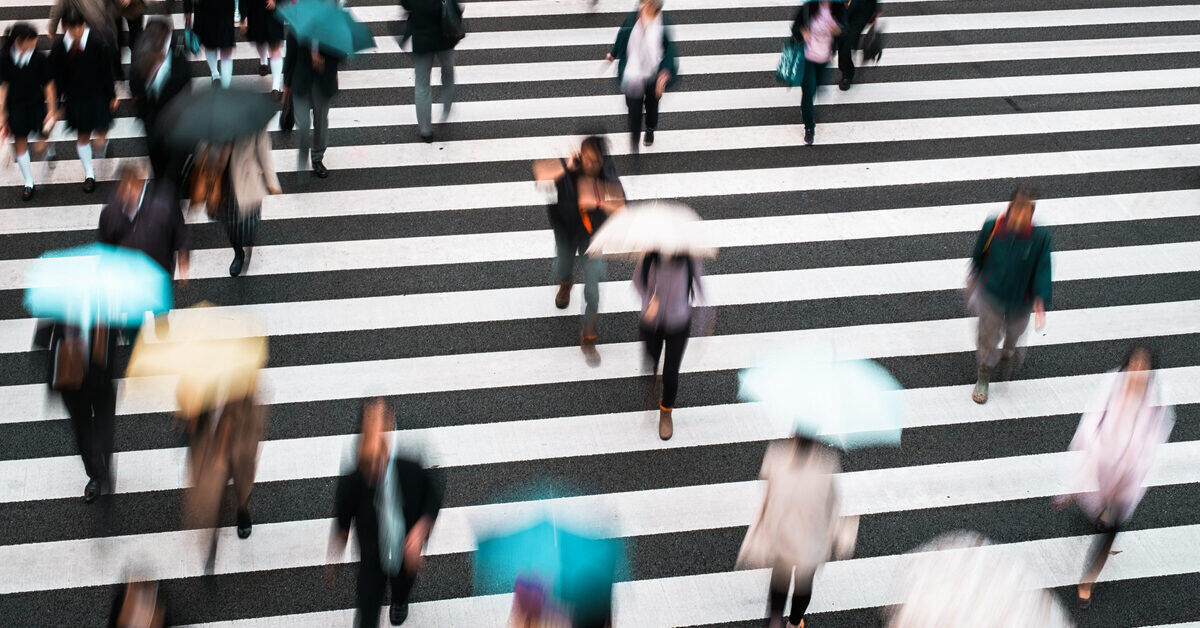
(262, 26)
(26, 77)
(83, 74)
(212, 21)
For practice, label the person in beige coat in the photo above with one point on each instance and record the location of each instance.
(250, 178)
(798, 527)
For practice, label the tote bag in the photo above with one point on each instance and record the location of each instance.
(791, 64)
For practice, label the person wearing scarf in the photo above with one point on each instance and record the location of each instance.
(646, 66)
(1010, 279)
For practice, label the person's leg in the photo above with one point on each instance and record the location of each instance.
(808, 92)
(652, 340)
(635, 120)
(320, 105)
(446, 60)
(676, 343)
(135, 31)
(302, 105)
(651, 105)
(104, 409)
(801, 596)
(83, 147)
(1097, 556)
(564, 268)
(777, 594)
(100, 143)
(845, 51)
(594, 270)
(402, 585)
(79, 408)
(21, 156)
(211, 56)
(226, 67)
(422, 92)
(1015, 325)
(369, 597)
(991, 325)
(276, 63)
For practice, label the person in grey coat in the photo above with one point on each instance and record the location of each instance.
(424, 27)
(666, 286)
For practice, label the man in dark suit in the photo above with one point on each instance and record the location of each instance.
(81, 369)
(310, 76)
(858, 14)
(392, 502)
(142, 215)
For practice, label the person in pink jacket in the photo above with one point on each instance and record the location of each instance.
(816, 26)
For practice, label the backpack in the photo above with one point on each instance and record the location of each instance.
(453, 29)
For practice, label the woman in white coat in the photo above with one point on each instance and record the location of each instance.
(251, 177)
(1118, 435)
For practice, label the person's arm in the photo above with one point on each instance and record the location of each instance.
(418, 536)
(3, 107)
(621, 45)
(345, 501)
(267, 162)
(1042, 285)
(56, 11)
(981, 242)
(549, 169)
(668, 68)
(182, 243)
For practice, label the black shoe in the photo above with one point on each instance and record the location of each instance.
(216, 81)
(319, 169)
(91, 491)
(398, 613)
(243, 524)
(235, 267)
(263, 69)
(649, 137)
(844, 84)
(27, 193)
(89, 185)
(428, 139)
(808, 136)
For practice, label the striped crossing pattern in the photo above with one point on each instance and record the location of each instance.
(421, 272)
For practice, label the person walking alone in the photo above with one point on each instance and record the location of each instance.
(666, 286)
(858, 15)
(310, 76)
(646, 65)
(27, 98)
(1010, 278)
(816, 26)
(425, 27)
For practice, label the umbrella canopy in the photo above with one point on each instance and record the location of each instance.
(215, 353)
(666, 227)
(577, 568)
(846, 404)
(216, 116)
(328, 24)
(97, 284)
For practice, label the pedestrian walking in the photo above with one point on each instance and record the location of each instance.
(27, 98)
(251, 177)
(261, 26)
(667, 286)
(143, 216)
(212, 21)
(100, 15)
(81, 370)
(139, 605)
(646, 65)
(816, 26)
(310, 77)
(798, 527)
(858, 15)
(159, 73)
(82, 69)
(392, 502)
(425, 26)
(588, 190)
(1118, 435)
(223, 443)
(1010, 278)
(133, 14)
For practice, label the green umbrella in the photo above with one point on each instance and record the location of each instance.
(216, 116)
(328, 24)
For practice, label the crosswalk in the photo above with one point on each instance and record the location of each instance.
(421, 272)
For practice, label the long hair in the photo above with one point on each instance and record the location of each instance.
(21, 31)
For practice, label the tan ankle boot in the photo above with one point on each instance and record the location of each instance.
(563, 298)
(587, 342)
(665, 425)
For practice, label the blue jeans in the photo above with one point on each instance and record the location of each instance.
(594, 268)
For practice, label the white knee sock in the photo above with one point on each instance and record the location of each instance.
(211, 57)
(277, 73)
(263, 51)
(85, 158)
(23, 164)
(226, 72)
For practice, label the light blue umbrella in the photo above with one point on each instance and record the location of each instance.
(847, 404)
(96, 284)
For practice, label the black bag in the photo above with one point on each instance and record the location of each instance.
(287, 117)
(872, 44)
(453, 29)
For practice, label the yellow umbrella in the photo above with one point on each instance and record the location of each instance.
(215, 352)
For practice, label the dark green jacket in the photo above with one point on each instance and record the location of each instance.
(1015, 270)
(620, 49)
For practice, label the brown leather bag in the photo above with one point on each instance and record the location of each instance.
(70, 359)
(208, 180)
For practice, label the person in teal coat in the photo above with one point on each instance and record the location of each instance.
(646, 65)
(1010, 279)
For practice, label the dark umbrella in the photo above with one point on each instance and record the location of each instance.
(215, 116)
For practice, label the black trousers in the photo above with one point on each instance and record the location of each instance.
(92, 409)
(1098, 555)
(372, 583)
(135, 31)
(647, 102)
(847, 42)
(777, 595)
(675, 343)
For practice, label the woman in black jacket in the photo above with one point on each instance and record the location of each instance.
(26, 97)
(424, 26)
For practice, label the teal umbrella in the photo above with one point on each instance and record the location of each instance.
(847, 404)
(96, 284)
(576, 568)
(328, 24)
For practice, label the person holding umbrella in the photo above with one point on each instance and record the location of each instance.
(82, 68)
(646, 65)
(27, 98)
(424, 26)
(82, 371)
(214, 28)
(392, 502)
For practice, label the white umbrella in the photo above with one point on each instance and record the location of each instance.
(665, 227)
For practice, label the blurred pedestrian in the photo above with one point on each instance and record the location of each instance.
(858, 15)
(159, 73)
(588, 191)
(138, 605)
(261, 26)
(133, 13)
(100, 15)
(816, 26)
(1118, 435)
(1009, 279)
(392, 502)
(666, 286)
(82, 68)
(646, 65)
(310, 75)
(27, 98)
(798, 527)
(81, 370)
(213, 25)
(251, 177)
(223, 443)
(142, 215)
(429, 42)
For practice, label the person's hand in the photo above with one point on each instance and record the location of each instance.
(184, 267)
(804, 34)
(573, 161)
(270, 5)
(275, 190)
(1039, 315)
(242, 26)
(414, 543)
(661, 83)
(609, 58)
(318, 62)
(113, 105)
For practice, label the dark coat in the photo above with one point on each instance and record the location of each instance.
(424, 26)
(158, 229)
(149, 106)
(858, 13)
(85, 83)
(1015, 269)
(620, 48)
(354, 503)
(25, 102)
(565, 218)
(300, 75)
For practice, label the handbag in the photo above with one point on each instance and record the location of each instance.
(287, 117)
(872, 44)
(191, 42)
(207, 181)
(791, 64)
(453, 29)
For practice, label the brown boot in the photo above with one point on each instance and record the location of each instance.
(665, 426)
(563, 298)
(587, 342)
